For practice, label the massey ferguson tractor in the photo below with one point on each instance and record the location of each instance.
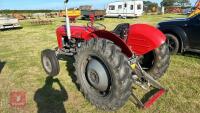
(109, 63)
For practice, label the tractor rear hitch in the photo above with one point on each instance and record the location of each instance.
(153, 95)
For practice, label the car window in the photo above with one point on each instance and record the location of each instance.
(131, 8)
(119, 6)
(139, 7)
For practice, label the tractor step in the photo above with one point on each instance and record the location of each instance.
(154, 98)
(149, 99)
(153, 95)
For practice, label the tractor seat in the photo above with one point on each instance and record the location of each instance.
(122, 30)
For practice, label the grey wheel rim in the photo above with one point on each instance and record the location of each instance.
(171, 43)
(97, 75)
(47, 64)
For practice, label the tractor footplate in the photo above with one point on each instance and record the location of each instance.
(154, 98)
(149, 99)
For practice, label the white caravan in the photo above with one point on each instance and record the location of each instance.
(125, 9)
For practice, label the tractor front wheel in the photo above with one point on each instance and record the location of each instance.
(103, 74)
(50, 62)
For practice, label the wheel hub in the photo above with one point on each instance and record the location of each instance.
(97, 75)
(171, 43)
(94, 77)
(47, 64)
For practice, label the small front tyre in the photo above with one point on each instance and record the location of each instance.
(50, 62)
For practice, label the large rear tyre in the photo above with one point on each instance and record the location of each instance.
(50, 62)
(157, 61)
(103, 74)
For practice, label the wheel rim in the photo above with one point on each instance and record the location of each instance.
(97, 76)
(171, 43)
(47, 64)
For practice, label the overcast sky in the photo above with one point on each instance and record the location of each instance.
(57, 4)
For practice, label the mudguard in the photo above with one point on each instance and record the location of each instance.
(144, 38)
(114, 38)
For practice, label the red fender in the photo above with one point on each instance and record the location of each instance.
(143, 38)
(118, 41)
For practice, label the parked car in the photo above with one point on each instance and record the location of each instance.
(9, 23)
(122, 9)
(182, 34)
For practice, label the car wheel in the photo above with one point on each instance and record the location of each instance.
(120, 17)
(173, 43)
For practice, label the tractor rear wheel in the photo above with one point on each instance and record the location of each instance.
(50, 62)
(103, 74)
(156, 62)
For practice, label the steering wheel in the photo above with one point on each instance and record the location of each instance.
(96, 26)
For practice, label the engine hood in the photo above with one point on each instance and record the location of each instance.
(177, 22)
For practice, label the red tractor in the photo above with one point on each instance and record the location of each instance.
(108, 63)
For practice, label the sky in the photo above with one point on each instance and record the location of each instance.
(57, 4)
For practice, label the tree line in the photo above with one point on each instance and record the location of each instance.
(148, 5)
(152, 6)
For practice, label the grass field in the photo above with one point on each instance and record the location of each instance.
(22, 71)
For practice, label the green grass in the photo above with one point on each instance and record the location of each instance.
(20, 49)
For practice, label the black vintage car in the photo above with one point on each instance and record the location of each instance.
(182, 34)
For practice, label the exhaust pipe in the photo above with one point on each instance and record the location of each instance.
(67, 22)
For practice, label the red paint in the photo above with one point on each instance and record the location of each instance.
(92, 18)
(76, 32)
(144, 38)
(118, 41)
(153, 99)
(73, 19)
